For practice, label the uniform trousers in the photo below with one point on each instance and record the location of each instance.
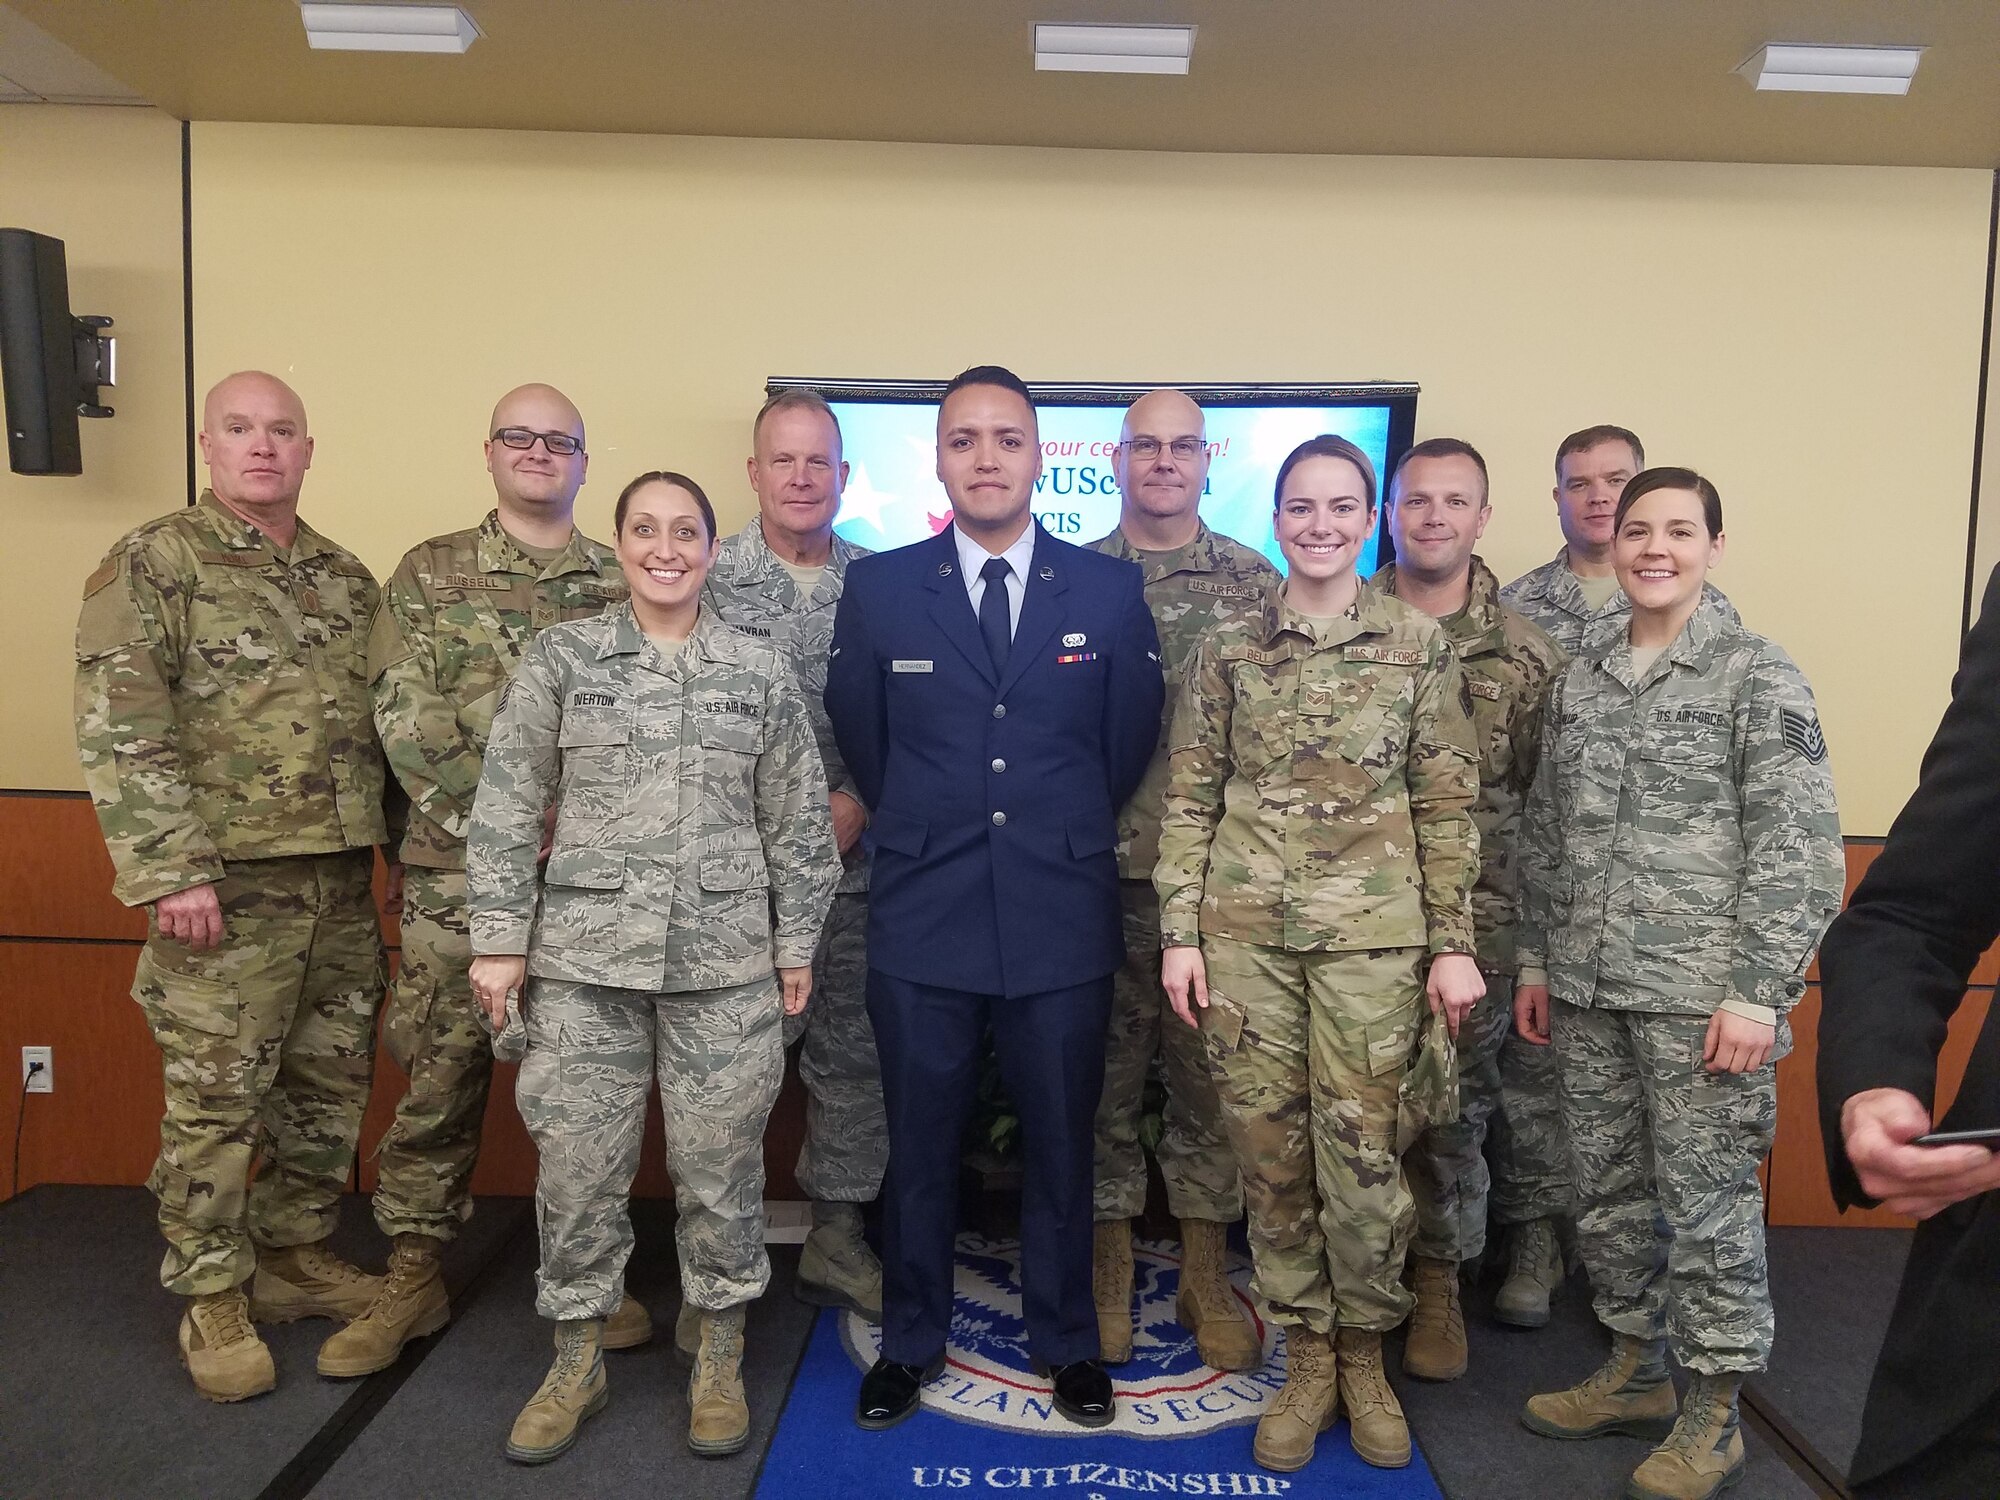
(1447, 1169)
(1194, 1153)
(1309, 1052)
(432, 1029)
(593, 1053)
(846, 1145)
(1050, 1048)
(1530, 1156)
(266, 1047)
(1670, 1215)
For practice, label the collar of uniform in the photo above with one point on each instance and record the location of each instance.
(500, 553)
(1475, 630)
(712, 637)
(237, 534)
(1020, 553)
(746, 558)
(1691, 648)
(1201, 554)
(1369, 615)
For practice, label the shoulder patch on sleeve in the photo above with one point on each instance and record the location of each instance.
(1482, 687)
(1802, 733)
(106, 571)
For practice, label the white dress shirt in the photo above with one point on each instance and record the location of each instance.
(972, 557)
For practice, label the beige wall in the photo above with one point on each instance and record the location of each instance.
(108, 183)
(1808, 336)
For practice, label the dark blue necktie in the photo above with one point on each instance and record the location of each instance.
(995, 622)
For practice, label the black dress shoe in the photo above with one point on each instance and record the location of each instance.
(890, 1392)
(1083, 1392)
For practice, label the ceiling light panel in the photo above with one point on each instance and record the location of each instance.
(1793, 68)
(387, 28)
(1112, 49)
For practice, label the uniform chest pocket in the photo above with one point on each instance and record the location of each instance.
(596, 765)
(731, 736)
(1685, 774)
(594, 731)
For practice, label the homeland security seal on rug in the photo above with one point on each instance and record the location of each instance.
(1165, 1391)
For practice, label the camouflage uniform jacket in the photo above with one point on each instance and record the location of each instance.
(690, 807)
(751, 590)
(1510, 663)
(1680, 846)
(456, 615)
(1320, 792)
(1552, 598)
(222, 700)
(1212, 579)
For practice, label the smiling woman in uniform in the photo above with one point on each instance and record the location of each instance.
(1317, 858)
(1680, 858)
(690, 857)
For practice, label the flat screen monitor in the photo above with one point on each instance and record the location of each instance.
(889, 438)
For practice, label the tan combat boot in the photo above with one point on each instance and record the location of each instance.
(836, 1267)
(1534, 1275)
(1435, 1348)
(1376, 1427)
(629, 1325)
(411, 1305)
(309, 1281)
(1111, 1288)
(687, 1329)
(1206, 1306)
(1306, 1407)
(573, 1392)
(221, 1351)
(1628, 1393)
(718, 1416)
(1703, 1454)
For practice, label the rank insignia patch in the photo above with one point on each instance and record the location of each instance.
(1802, 733)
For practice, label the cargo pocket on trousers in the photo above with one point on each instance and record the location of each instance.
(406, 1021)
(1221, 1023)
(194, 1020)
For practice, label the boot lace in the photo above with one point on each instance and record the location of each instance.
(226, 1320)
(1305, 1373)
(1533, 1251)
(323, 1265)
(1107, 1274)
(1207, 1286)
(1369, 1388)
(1439, 1312)
(721, 1348)
(1702, 1422)
(572, 1358)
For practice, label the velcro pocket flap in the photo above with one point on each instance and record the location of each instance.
(589, 869)
(736, 735)
(583, 730)
(738, 869)
(194, 1002)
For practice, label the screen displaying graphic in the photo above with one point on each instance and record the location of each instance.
(893, 498)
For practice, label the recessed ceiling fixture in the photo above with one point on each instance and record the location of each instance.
(1063, 48)
(387, 28)
(1832, 70)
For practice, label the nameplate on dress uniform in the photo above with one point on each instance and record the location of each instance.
(472, 581)
(1482, 687)
(1394, 656)
(1223, 590)
(910, 666)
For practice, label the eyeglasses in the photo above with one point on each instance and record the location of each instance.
(1183, 448)
(559, 443)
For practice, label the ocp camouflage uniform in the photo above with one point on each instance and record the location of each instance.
(692, 851)
(1531, 1097)
(455, 617)
(1680, 854)
(1317, 843)
(846, 1145)
(1190, 591)
(1509, 665)
(222, 722)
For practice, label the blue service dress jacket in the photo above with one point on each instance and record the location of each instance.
(994, 795)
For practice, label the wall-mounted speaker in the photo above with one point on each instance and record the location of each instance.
(51, 362)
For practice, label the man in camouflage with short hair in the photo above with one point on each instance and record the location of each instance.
(780, 579)
(456, 615)
(1195, 579)
(1438, 510)
(222, 719)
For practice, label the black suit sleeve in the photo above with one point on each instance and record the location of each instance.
(855, 703)
(1894, 966)
(1135, 695)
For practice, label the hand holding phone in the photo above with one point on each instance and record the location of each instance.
(1986, 1136)
(1883, 1129)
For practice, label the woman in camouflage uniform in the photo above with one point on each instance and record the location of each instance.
(1680, 857)
(1317, 856)
(690, 855)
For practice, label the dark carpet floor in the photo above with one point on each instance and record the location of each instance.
(94, 1404)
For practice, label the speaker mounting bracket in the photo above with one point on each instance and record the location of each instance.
(96, 362)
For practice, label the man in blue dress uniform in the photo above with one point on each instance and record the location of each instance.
(996, 694)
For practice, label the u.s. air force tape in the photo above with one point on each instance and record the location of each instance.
(1802, 733)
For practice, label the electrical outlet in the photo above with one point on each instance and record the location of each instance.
(43, 1082)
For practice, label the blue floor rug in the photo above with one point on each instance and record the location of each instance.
(988, 1425)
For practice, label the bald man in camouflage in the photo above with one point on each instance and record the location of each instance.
(456, 616)
(223, 724)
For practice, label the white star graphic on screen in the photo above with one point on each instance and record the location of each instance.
(861, 501)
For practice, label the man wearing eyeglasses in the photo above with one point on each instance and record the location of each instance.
(1194, 580)
(455, 619)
